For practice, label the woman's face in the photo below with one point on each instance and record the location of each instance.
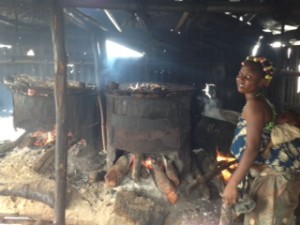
(249, 80)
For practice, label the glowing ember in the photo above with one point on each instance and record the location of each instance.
(44, 138)
(148, 163)
(226, 174)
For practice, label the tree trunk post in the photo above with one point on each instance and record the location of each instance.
(60, 65)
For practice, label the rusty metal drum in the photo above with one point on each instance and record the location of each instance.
(153, 118)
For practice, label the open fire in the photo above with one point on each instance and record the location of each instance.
(149, 118)
(161, 169)
(226, 173)
(154, 141)
(142, 168)
(166, 176)
(44, 138)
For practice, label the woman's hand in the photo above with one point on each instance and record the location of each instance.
(230, 194)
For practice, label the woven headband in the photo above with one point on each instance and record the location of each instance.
(266, 65)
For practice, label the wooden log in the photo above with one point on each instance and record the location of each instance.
(219, 166)
(117, 172)
(45, 161)
(23, 219)
(136, 167)
(48, 158)
(171, 171)
(32, 190)
(164, 184)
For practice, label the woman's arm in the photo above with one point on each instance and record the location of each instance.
(254, 114)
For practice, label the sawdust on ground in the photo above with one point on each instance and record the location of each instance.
(96, 204)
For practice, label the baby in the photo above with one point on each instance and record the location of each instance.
(287, 129)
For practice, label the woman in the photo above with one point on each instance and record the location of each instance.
(275, 188)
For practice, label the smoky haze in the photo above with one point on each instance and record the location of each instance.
(6, 103)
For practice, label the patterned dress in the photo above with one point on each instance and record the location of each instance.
(275, 189)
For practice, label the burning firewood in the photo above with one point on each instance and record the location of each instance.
(117, 172)
(171, 171)
(164, 184)
(44, 138)
(136, 167)
(218, 168)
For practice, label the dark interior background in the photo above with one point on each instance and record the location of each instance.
(186, 42)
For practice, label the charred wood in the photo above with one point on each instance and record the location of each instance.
(219, 166)
(145, 173)
(117, 172)
(164, 184)
(136, 167)
(171, 171)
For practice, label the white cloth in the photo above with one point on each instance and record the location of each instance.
(282, 133)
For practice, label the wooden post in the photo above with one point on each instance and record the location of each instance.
(60, 59)
(99, 52)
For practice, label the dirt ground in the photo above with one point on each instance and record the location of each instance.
(96, 204)
(25, 192)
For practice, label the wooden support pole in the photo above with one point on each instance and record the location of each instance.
(99, 53)
(60, 59)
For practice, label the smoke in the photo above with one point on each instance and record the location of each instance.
(7, 131)
(6, 103)
(210, 103)
(122, 70)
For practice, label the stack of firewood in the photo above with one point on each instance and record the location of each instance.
(165, 174)
(162, 170)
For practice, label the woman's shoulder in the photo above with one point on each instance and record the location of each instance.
(257, 105)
